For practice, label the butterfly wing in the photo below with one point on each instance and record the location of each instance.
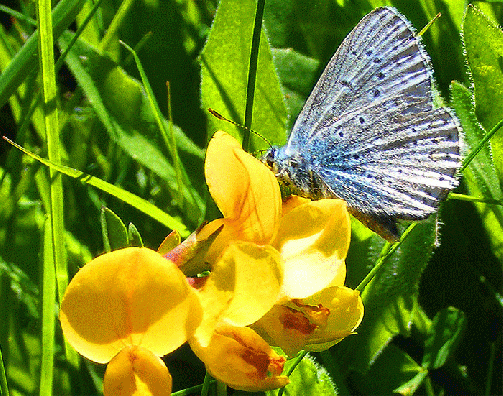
(370, 129)
(377, 54)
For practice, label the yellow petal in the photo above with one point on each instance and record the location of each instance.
(245, 190)
(136, 371)
(131, 296)
(346, 313)
(226, 236)
(313, 241)
(291, 202)
(315, 323)
(243, 285)
(285, 328)
(240, 358)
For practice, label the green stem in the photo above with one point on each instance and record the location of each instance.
(252, 74)
(3, 378)
(388, 250)
(479, 147)
(206, 385)
(296, 362)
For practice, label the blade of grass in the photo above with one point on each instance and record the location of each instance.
(34, 105)
(3, 379)
(54, 270)
(470, 198)
(22, 64)
(18, 15)
(48, 317)
(479, 147)
(50, 110)
(168, 137)
(125, 196)
(387, 251)
(206, 384)
(116, 23)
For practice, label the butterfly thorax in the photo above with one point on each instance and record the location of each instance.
(293, 170)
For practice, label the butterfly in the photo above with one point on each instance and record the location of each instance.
(369, 132)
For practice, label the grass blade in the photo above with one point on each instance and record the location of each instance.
(125, 196)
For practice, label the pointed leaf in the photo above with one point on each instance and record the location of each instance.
(225, 62)
(390, 298)
(480, 176)
(402, 374)
(113, 230)
(443, 338)
(134, 237)
(483, 42)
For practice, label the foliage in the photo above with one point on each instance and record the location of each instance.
(433, 313)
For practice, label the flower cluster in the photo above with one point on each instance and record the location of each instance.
(276, 278)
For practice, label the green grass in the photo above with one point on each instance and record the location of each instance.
(100, 133)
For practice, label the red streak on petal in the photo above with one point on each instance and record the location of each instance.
(276, 365)
(257, 359)
(297, 321)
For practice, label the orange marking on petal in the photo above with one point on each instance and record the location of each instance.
(297, 321)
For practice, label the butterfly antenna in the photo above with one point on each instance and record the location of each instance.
(423, 30)
(221, 117)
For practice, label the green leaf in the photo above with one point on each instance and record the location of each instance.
(297, 73)
(443, 337)
(131, 199)
(20, 283)
(124, 109)
(24, 61)
(483, 42)
(134, 236)
(308, 379)
(115, 235)
(391, 297)
(480, 176)
(394, 371)
(225, 63)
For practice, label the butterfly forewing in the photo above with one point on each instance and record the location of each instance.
(380, 51)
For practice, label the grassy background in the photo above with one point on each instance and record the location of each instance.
(107, 127)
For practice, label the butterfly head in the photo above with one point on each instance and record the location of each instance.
(290, 169)
(279, 163)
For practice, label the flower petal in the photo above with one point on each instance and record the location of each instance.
(131, 296)
(245, 190)
(240, 358)
(313, 240)
(315, 323)
(136, 371)
(243, 285)
(346, 313)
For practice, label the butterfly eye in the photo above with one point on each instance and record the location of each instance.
(269, 158)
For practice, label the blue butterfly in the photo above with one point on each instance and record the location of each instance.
(369, 132)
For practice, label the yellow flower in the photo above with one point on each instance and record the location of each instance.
(243, 285)
(316, 311)
(313, 324)
(313, 310)
(137, 371)
(242, 359)
(134, 305)
(303, 243)
(246, 192)
(313, 240)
